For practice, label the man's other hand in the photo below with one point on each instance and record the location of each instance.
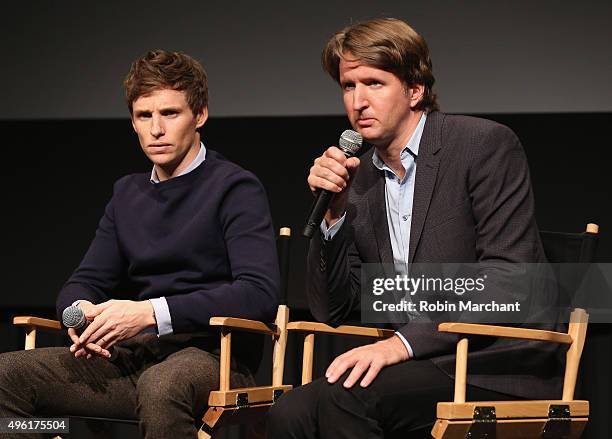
(333, 172)
(371, 358)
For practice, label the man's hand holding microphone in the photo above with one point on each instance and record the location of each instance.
(94, 329)
(330, 178)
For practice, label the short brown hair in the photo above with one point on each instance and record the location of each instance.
(389, 44)
(160, 69)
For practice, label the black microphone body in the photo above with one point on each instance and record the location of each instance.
(350, 143)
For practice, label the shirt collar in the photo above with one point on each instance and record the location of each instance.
(412, 147)
(197, 161)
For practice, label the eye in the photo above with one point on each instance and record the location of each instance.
(143, 115)
(169, 112)
(375, 83)
(347, 86)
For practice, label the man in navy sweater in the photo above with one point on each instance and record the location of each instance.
(189, 240)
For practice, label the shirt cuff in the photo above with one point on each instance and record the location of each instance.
(329, 233)
(408, 347)
(162, 316)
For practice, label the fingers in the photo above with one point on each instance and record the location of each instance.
(358, 370)
(327, 174)
(89, 309)
(95, 330)
(75, 339)
(104, 305)
(73, 335)
(340, 365)
(90, 350)
(355, 359)
(103, 331)
(108, 340)
(352, 164)
(329, 171)
(80, 353)
(370, 359)
(372, 373)
(335, 154)
(97, 350)
(93, 341)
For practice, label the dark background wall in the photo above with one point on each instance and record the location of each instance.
(62, 178)
(542, 68)
(62, 173)
(66, 59)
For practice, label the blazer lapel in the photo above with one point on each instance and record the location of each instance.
(375, 197)
(425, 179)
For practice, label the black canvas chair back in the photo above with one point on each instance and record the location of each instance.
(569, 247)
(569, 254)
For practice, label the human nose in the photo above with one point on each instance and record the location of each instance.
(157, 126)
(360, 98)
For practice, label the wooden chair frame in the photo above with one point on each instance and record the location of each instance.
(528, 419)
(565, 418)
(228, 406)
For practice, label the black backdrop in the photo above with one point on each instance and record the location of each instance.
(59, 175)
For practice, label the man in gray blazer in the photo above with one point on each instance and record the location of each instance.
(434, 188)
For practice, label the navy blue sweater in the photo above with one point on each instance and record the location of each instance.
(203, 240)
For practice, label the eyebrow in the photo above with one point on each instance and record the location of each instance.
(161, 110)
(141, 112)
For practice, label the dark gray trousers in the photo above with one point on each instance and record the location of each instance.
(162, 384)
(400, 403)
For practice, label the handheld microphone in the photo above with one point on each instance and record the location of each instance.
(74, 317)
(350, 143)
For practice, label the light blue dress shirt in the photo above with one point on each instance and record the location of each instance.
(160, 304)
(399, 194)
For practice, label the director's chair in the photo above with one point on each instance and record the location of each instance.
(564, 418)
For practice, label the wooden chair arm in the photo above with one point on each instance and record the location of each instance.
(245, 325)
(37, 322)
(505, 331)
(312, 328)
(322, 328)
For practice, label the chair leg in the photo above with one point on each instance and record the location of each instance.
(30, 339)
(210, 419)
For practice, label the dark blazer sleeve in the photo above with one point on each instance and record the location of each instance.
(333, 276)
(502, 206)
